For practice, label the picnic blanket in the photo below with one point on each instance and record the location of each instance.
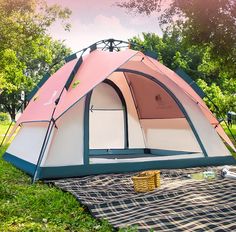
(181, 204)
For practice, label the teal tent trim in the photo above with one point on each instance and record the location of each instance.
(70, 57)
(191, 82)
(98, 152)
(73, 73)
(151, 54)
(162, 152)
(135, 151)
(25, 166)
(86, 127)
(120, 94)
(91, 169)
(174, 98)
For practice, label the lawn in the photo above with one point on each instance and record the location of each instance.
(233, 131)
(40, 207)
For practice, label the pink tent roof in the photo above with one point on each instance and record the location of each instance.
(96, 67)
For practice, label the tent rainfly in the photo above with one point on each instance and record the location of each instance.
(115, 110)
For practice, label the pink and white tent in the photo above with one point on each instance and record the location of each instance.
(115, 111)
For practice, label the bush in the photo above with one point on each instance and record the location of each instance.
(4, 117)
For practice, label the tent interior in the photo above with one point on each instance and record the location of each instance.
(133, 118)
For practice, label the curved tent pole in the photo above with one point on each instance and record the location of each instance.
(175, 99)
(202, 94)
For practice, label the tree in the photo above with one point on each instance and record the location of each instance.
(172, 52)
(26, 49)
(198, 36)
(210, 23)
(225, 102)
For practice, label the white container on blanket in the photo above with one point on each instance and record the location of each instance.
(225, 173)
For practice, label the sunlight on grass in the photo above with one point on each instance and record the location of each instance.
(233, 131)
(39, 207)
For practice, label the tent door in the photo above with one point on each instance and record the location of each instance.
(107, 118)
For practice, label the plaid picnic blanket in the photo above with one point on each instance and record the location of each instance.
(181, 204)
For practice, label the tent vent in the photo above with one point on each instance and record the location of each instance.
(73, 73)
(70, 57)
(151, 54)
(93, 47)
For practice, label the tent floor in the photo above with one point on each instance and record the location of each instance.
(139, 158)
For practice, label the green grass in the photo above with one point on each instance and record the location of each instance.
(233, 131)
(40, 207)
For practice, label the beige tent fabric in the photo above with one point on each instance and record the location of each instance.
(106, 119)
(210, 140)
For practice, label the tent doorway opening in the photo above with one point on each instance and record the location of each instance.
(132, 118)
(107, 118)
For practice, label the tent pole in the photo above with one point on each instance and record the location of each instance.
(42, 151)
(3, 140)
(231, 133)
(177, 102)
(52, 121)
(217, 108)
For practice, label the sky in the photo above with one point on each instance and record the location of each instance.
(93, 20)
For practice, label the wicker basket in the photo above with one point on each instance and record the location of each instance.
(144, 182)
(147, 181)
(157, 174)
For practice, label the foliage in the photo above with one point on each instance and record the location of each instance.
(200, 21)
(223, 101)
(233, 131)
(40, 207)
(210, 22)
(26, 49)
(141, 6)
(4, 117)
(196, 62)
(199, 37)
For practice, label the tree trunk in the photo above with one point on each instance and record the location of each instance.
(13, 116)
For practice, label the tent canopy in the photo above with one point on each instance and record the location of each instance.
(123, 89)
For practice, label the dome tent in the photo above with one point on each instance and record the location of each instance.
(115, 110)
